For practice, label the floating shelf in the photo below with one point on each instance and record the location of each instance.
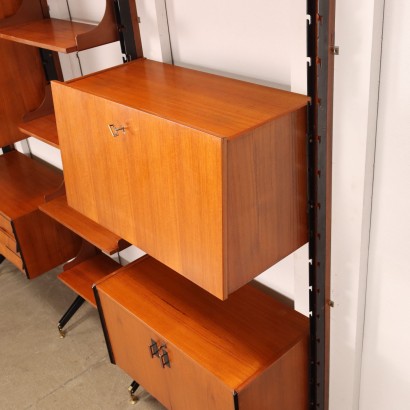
(23, 184)
(59, 35)
(89, 230)
(82, 277)
(42, 128)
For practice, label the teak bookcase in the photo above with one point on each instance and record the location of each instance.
(209, 176)
(203, 207)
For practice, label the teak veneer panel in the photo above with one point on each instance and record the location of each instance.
(51, 34)
(43, 128)
(250, 344)
(8, 240)
(209, 176)
(43, 243)
(22, 78)
(89, 230)
(55, 34)
(23, 184)
(213, 104)
(11, 256)
(81, 278)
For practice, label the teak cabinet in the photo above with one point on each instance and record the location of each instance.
(194, 351)
(204, 173)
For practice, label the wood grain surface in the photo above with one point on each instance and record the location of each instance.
(51, 34)
(92, 232)
(206, 174)
(44, 243)
(234, 342)
(43, 128)
(80, 278)
(213, 104)
(23, 184)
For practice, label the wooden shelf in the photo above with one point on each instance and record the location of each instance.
(82, 277)
(51, 34)
(89, 230)
(23, 184)
(59, 35)
(43, 128)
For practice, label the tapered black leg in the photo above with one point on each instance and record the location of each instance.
(132, 389)
(69, 314)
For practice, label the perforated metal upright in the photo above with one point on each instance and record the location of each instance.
(321, 50)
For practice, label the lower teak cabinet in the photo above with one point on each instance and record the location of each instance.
(191, 350)
(29, 239)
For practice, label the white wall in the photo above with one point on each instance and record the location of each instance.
(358, 33)
(386, 353)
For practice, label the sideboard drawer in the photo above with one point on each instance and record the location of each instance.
(192, 351)
(206, 174)
(8, 240)
(13, 257)
(6, 225)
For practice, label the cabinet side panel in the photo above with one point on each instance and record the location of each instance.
(22, 85)
(44, 243)
(178, 196)
(183, 386)
(267, 196)
(283, 386)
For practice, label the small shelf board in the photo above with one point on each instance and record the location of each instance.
(51, 34)
(64, 36)
(82, 277)
(43, 128)
(89, 230)
(24, 183)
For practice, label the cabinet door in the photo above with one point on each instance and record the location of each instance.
(157, 184)
(183, 385)
(97, 163)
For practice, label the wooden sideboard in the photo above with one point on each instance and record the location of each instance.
(30, 239)
(194, 351)
(206, 174)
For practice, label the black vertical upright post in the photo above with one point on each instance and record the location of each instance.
(128, 27)
(320, 42)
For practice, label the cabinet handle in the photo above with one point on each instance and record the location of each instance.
(114, 130)
(164, 357)
(153, 348)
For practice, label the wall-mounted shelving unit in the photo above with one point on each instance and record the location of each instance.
(29, 27)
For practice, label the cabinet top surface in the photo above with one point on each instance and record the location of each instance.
(213, 104)
(23, 184)
(233, 339)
